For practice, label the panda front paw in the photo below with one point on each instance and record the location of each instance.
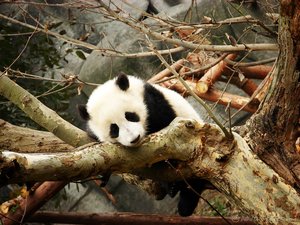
(188, 201)
(189, 196)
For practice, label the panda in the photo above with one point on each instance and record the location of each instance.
(126, 109)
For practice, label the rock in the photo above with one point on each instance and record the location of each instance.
(165, 5)
(88, 197)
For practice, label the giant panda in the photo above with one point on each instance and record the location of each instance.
(126, 109)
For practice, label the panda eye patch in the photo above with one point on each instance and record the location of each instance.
(132, 117)
(114, 130)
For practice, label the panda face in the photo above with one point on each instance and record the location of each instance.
(129, 132)
(116, 111)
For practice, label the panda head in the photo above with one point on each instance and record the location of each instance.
(115, 111)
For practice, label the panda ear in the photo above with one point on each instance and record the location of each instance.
(122, 81)
(83, 112)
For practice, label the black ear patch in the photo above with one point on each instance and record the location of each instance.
(83, 112)
(122, 81)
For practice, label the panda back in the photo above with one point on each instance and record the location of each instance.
(163, 106)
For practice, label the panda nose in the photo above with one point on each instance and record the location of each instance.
(135, 140)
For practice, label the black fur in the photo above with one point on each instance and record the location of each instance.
(189, 197)
(132, 117)
(83, 112)
(122, 81)
(160, 113)
(114, 130)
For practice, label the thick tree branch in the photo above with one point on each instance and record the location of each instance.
(100, 158)
(20, 139)
(272, 132)
(106, 52)
(215, 95)
(206, 152)
(41, 114)
(51, 121)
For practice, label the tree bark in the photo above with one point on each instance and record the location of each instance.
(228, 164)
(21, 139)
(272, 132)
(41, 114)
(131, 219)
(50, 121)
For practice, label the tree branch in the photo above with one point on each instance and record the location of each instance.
(212, 75)
(220, 97)
(131, 219)
(106, 52)
(272, 132)
(20, 139)
(100, 158)
(206, 152)
(41, 114)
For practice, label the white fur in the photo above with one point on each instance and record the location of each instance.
(108, 104)
(181, 106)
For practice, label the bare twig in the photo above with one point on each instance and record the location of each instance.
(22, 51)
(247, 64)
(106, 52)
(166, 72)
(223, 98)
(191, 92)
(206, 67)
(68, 78)
(252, 72)
(212, 75)
(142, 28)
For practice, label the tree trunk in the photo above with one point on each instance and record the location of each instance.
(272, 132)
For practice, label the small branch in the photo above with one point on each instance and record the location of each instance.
(22, 51)
(247, 85)
(33, 202)
(42, 114)
(206, 67)
(214, 95)
(106, 52)
(166, 72)
(191, 92)
(256, 72)
(212, 75)
(76, 4)
(130, 219)
(252, 72)
(248, 64)
(67, 78)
